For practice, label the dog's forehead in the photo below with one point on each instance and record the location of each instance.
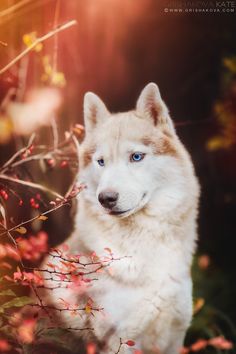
(123, 126)
(126, 132)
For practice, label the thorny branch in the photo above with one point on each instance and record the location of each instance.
(16, 159)
(41, 302)
(79, 274)
(10, 162)
(76, 261)
(54, 208)
(59, 309)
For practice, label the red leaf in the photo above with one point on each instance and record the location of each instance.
(65, 247)
(4, 346)
(108, 250)
(5, 265)
(50, 265)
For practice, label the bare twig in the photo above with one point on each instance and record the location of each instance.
(53, 308)
(41, 302)
(5, 227)
(22, 79)
(59, 205)
(190, 122)
(120, 345)
(3, 217)
(14, 8)
(15, 162)
(73, 328)
(3, 44)
(59, 286)
(22, 8)
(58, 273)
(55, 133)
(36, 42)
(30, 184)
(10, 93)
(77, 261)
(76, 143)
(55, 46)
(18, 153)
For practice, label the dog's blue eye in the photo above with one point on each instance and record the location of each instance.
(101, 162)
(137, 156)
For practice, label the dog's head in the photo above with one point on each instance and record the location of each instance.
(134, 160)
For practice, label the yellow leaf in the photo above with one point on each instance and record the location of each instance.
(198, 305)
(78, 129)
(6, 129)
(29, 39)
(48, 69)
(217, 143)
(58, 79)
(38, 47)
(22, 230)
(88, 309)
(43, 217)
(230, 64)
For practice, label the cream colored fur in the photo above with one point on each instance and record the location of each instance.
(147, 297)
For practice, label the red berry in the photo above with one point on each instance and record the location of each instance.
(64, 163)
(38, 196)
(130, 343)
(4, 194)
(51, 162)
(32, 201)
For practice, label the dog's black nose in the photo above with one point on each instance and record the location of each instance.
(108, 199)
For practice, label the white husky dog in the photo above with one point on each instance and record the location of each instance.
(141, 201)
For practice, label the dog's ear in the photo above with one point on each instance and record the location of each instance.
(95, 111)
(151, 106)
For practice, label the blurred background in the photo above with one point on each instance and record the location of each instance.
(114, 50)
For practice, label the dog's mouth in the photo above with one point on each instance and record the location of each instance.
(118, 212)
(123, 213)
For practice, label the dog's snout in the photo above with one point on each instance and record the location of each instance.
(108, 199)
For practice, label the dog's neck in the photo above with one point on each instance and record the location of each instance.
(151, 218)
(137, 235)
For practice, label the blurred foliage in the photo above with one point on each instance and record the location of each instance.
(225, 109)
(211, 290)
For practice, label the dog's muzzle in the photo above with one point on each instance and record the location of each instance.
(108, 199)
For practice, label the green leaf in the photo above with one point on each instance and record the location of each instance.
(17, 302)
(7, 292)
